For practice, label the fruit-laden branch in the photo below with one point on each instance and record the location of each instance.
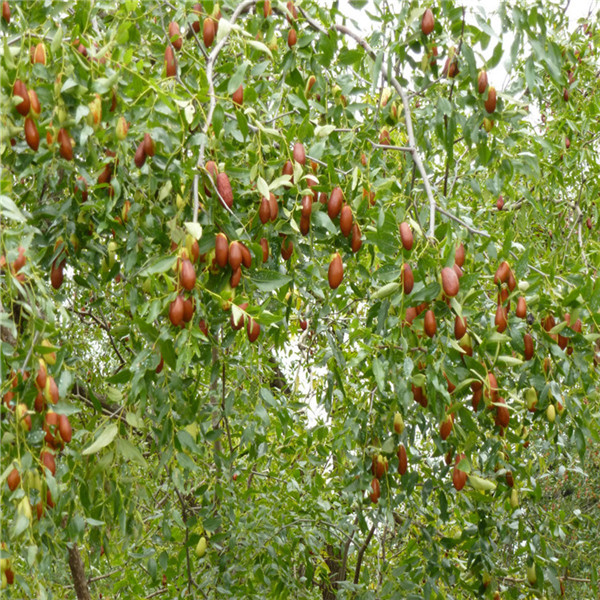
(409, 128)
(210, 63)
(433, 206)
(78, 572)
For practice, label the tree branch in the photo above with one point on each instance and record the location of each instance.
(361, 553)
(78, 573)
(210, 65)
(409, 128)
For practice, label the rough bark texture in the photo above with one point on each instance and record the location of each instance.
(337, 572)
(78, 573)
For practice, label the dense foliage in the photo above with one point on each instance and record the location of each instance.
(290, 310)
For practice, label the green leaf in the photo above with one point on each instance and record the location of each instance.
(218, 118)
(130, 452)
(106, 436)
(261, 47)
(9, 210)
(238, 76)
(385, 291)
(159, 266)
(194, 229)
(263, 188)
(267, 281)
(56, 40)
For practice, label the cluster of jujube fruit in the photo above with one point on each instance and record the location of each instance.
(57, 432)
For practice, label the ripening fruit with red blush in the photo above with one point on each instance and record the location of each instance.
(450, 282)
(482, 81)
(39, 54)
(176, 311)
(459, 477)
(264, 212)
(252, 329)
(13, 480)
(65, 146)
(235, 255)
(334, 205)
(148, 145)
(491, 388)
(170, 62)
(34, 102)
(140, 155)
(287, 248)
(459, 255)
(346, 220)
(376, 490)
(427, 22)
(502, 414)
(402, 460)
(64, 428)
(336, 271)
(187, 275)
(307, 202)
(408, 279)
(521, 311)
(221, 250)
(48, 461)
(430, 324)
(304, 225)
(446, 427)
(237, 324)
(288, 168)
(299, 153)
(32, 136)
(20, 90)
(274, 206)
(490, 103)
(500, 319)
(238, 96)
(264, 244)
(460, 327)
(208, 32)
(292, 38)
(502, 273)
(175, 35)
(406, 235)
(356, 242)
(224, 189)
(57, 275)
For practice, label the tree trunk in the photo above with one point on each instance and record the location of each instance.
(78, 572)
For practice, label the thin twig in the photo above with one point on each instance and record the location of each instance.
(388, 147)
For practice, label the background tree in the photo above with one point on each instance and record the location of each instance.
(292, 312)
